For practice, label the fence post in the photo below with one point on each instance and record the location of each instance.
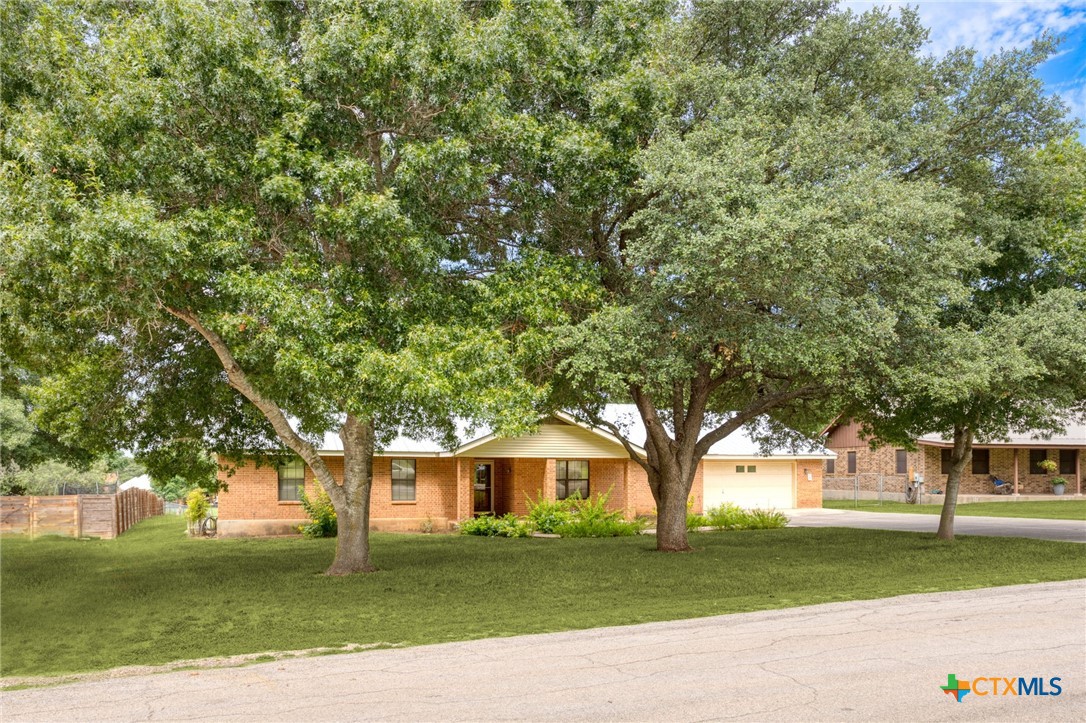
(882, 480)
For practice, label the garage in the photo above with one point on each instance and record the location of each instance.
(749, 483)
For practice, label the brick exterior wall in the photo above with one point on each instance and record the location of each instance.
(444, 492)
(639, 500)
(926, 460)
(871, 464)
(809, 491)
(639, 497)
(252, 497)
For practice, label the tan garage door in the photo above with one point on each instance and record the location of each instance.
(769, 485)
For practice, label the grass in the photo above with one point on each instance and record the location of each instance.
(1068, 510)
(152, 596)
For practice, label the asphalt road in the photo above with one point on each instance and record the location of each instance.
(1065, 530)
(870, 660)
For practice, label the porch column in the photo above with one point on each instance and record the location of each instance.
(459, 496)
(550, 480)
(1078, 472)
(1016, 471)
(465, 489)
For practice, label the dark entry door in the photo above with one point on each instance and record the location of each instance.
(484, 487)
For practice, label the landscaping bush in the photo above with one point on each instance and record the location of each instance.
(765, 520)
(546, 516)
(693, 522)
(197, 506)
(508, 525)
(591, 518)
(321, 514)
(728, 516)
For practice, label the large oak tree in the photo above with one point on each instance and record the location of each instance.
(239, 225)
(759, 208)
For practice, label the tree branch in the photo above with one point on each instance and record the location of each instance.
(239, 380)
(752, 411)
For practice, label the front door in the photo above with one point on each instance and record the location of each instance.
(484, 487)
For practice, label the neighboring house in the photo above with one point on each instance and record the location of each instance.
(1014, 459)
(419, 481)
(143, 482)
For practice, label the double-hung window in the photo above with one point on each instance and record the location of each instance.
(403, 480)
(571, 477)
(291, 480)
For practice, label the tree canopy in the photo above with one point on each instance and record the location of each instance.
(237, 225)
(781, 198)
(244, 225)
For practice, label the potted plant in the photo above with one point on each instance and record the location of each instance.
(1059, 484)
(1048, 466)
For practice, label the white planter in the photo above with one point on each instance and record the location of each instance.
(1058, 489)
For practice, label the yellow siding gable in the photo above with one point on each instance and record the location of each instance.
(554, 440)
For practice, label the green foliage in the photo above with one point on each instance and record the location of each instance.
(548, 516)
(197, 505)
(1048, 465)
(299, 193)
(695, 522)
(173, 489)
(726, 516)
(591, 518)
(729, 516)
(321, 513)
(1058, 481)
(758, 519)
(508, 525)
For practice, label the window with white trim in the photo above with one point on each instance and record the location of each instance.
(403, 480)
(291, 480)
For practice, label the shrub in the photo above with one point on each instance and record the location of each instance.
(591, 518)
(197, 506)
(765, 520)
(508, 525)
(321, 513)
(728, 516)
(546, 516)
(693, 522)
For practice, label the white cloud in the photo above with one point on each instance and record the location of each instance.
(1074, 95)
(989, 25)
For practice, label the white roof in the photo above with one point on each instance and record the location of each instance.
(737, 445)
(143, 482)
(1073, 436)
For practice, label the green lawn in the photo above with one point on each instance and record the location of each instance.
(153, 596)
(1063, 510)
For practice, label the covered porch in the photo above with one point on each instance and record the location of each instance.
(1020, 465)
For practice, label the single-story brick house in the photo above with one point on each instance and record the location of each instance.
(419, 482)
(1015, 460)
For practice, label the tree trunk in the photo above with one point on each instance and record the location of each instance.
(353, 540)
(960, 456)
(352, 500)
(671, 494)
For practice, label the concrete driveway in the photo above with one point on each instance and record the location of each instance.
(1064, 530)
(870, 660)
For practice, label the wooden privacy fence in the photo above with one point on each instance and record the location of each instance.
(104, 516)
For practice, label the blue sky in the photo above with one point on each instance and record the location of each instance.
(989, 25)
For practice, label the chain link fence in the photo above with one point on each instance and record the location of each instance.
(871, 489)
